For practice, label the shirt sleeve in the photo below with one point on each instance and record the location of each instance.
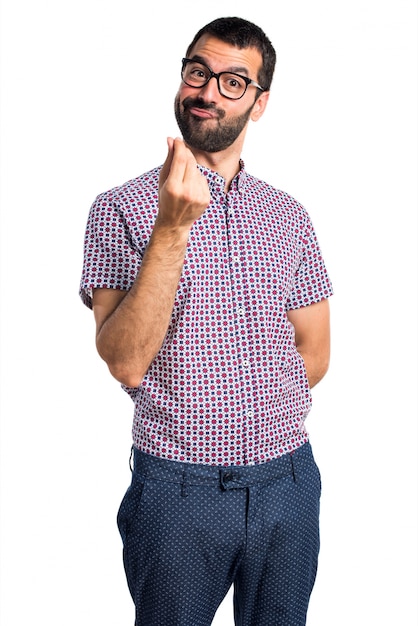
(111, 258)
(311, 282)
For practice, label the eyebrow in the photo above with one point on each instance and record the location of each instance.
(233, 69)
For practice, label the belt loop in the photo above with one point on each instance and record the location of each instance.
(184, 485)
(130, 459)
(293, 467)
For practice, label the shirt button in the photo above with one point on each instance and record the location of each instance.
(250, 413)
(245, 363)
(241, 311)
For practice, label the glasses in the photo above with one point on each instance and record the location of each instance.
(230, 85)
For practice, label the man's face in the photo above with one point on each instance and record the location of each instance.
(208, 121)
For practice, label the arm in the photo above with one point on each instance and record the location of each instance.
(312, 338)
(131, 326)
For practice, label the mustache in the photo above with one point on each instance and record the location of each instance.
(190, 102)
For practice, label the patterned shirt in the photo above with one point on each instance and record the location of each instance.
(228, 386)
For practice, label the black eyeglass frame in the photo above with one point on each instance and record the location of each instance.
(248, 81)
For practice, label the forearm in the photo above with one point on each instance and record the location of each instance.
(132, 335)
(131, 327)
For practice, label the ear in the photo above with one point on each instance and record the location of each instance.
(260, 106)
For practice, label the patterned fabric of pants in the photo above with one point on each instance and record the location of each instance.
(190, 532)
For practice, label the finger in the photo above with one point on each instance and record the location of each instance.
(168, 161)
(191, 173)
(183, 159)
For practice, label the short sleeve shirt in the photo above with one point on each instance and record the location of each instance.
(228, 386)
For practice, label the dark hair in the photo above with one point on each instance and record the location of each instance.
(242, 34)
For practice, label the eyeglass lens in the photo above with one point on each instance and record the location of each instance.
(230, 85)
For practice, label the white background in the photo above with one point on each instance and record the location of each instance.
(86, 104)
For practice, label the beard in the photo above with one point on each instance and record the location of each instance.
(195, 131)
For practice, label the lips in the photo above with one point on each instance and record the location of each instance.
(200, 109)
(201, 113)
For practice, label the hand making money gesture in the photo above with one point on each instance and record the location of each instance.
(183, 190)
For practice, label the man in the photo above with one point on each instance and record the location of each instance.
(210, 298)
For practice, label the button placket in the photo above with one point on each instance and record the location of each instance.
(240, 291)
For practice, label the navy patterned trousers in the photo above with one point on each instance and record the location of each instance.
(190, 532)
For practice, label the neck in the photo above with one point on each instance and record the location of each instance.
(225, 163)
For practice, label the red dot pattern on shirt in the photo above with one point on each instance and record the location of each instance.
(228, 386)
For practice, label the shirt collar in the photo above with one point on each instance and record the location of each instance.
(216, 181)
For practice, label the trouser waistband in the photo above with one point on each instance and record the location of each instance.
(233, 477)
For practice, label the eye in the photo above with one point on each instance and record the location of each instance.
(196, 72)
(233, 83)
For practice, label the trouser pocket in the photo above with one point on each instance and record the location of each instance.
(129, 506)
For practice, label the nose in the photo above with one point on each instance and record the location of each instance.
(210, 91)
